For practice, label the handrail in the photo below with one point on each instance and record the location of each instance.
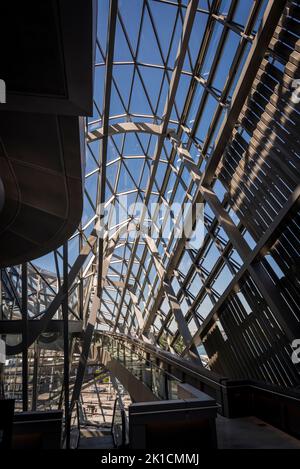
(153, 364)
(237, 397)
(208, 377)
(158, 375)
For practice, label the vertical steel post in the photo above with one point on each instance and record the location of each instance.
(24, 275)
(35, 378)
(66, 344)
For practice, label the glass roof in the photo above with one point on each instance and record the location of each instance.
(163, 68)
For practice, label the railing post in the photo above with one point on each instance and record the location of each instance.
(66, 344)
(24, 337)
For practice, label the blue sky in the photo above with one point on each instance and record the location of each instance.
(139, 93)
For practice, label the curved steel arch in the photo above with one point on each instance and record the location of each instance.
(126, 127)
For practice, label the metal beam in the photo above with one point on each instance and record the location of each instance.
(171, 298)
(259, 47)
(262, 247)
(91, 322)
(45, 320)
(65, 311)
(125, 127)
(250, 68)
(35, 377)
(266, 287)
(182, 48)
(55, 325)
(24, 337)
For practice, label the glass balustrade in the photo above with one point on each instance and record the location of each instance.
(161, 383)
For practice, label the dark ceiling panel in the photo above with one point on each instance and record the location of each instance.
(33, 49)
(40, 189)
(47, 56)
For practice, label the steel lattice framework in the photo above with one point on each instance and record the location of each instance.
(192, 103)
